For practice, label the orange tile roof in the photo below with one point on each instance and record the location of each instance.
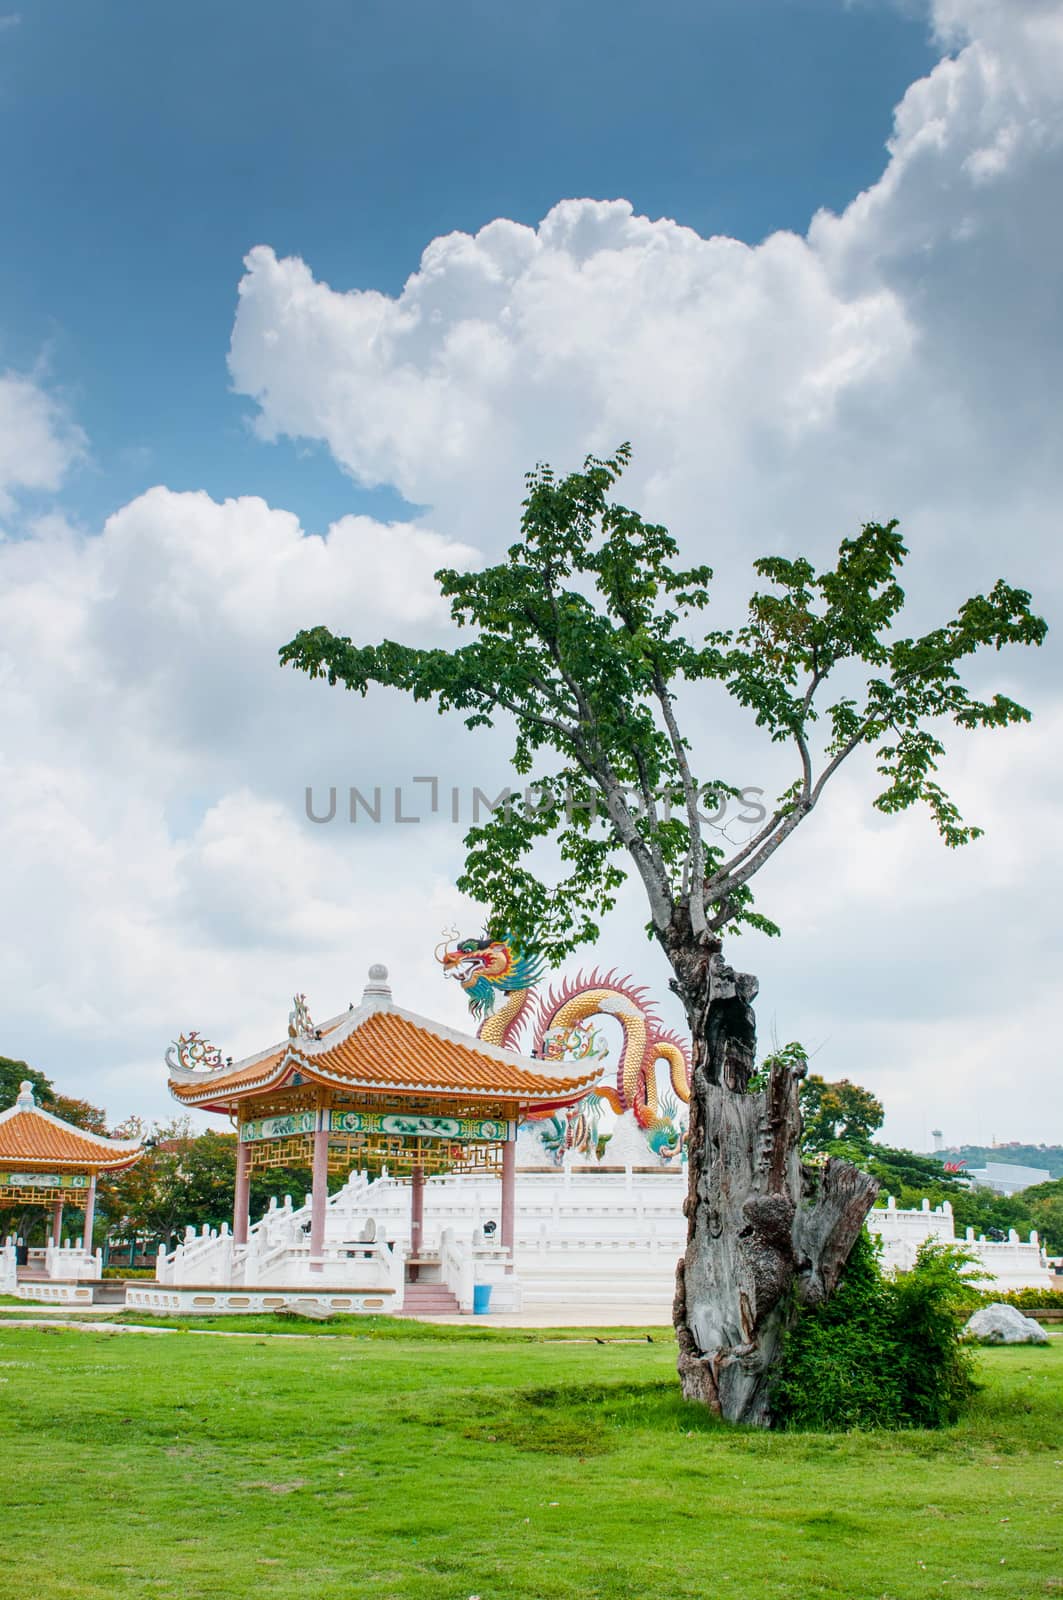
(261, 1069)
(389, 1049)
(34, 1137)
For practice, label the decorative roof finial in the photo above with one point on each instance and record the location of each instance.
(300, 1022)
(377, 991)
(194, 1054)
(25, 1101)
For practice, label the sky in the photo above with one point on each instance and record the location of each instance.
(290, 301)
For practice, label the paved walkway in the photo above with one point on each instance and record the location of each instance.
(24, 1307)
(567, 1316)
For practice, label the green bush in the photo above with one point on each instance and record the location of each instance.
(129, 1272)
(883, 1352)
(1025, 1299)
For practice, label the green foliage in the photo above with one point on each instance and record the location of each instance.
(1025, 1299)
(839, 1120)
(910, 1178)
(883, 1352)
(583, 637)
(81, 1113)
(905, 1172)
(1044, 1203)
(1048, 1156)
(13, 1073)
(837, 1111)
(792, 1056)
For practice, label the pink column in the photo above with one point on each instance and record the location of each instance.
(90, 1213)
(416, 1215)
(57, 1223)
(243, 1191)
(509, 1192)
(319, 1196)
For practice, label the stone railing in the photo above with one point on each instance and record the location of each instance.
(277, 1252)
(72, 1261)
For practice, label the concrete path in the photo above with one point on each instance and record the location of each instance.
(27, 1306)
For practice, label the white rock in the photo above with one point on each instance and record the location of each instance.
(1000, 1324)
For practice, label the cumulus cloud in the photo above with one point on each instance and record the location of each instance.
(899, 358)
(154, 761)
(38, 441)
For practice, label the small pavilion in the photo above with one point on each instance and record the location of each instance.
(375, 1088)
(44, 1160)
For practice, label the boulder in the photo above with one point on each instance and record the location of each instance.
(309, 1310)
(1001, 1324)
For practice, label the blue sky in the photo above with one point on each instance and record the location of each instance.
(156, 144)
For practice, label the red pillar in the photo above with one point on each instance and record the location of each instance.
(509, 1193)
(90, 1214)
(242, 1198)
(416, 1215)
(319, 1196)
(57, 1223)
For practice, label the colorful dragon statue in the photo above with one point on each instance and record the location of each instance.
(561, 1028)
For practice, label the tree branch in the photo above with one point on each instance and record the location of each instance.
(696, 845)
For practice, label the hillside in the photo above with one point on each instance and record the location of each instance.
(1049, 1156)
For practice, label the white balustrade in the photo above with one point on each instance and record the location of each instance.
(582, 1235)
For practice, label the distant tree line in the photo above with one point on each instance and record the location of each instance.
(840, 1119)
(1047, 1156)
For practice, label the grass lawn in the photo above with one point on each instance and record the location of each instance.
(387, 1462)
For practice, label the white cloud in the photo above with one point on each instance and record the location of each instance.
(902, 358)
(38, 441)
(152, 776)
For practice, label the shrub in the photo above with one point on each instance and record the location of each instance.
(1025, 1299)
(883, 1352)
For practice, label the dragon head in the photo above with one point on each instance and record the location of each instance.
(486, 967)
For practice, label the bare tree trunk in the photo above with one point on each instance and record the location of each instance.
(765, 1235)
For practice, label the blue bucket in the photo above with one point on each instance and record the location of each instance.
(481, 1298)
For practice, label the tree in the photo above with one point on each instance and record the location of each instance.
(13, 1074)
(1044, 1203)
(585, 638)
(82, 1113)
(836, 1111)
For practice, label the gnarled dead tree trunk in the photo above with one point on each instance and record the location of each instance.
(765, 1234)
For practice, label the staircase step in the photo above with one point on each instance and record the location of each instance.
(429, 1299)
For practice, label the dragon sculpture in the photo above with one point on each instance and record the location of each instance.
(561, 1028)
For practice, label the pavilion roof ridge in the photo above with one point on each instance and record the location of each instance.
(104, 1141)
(179, 1074)
(543, 1067)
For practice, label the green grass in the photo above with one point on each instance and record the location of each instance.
(444, 1464)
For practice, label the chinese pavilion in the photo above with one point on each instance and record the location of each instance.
(45, 1160)
(376, 1088)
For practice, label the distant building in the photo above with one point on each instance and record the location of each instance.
(1007, 1179)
